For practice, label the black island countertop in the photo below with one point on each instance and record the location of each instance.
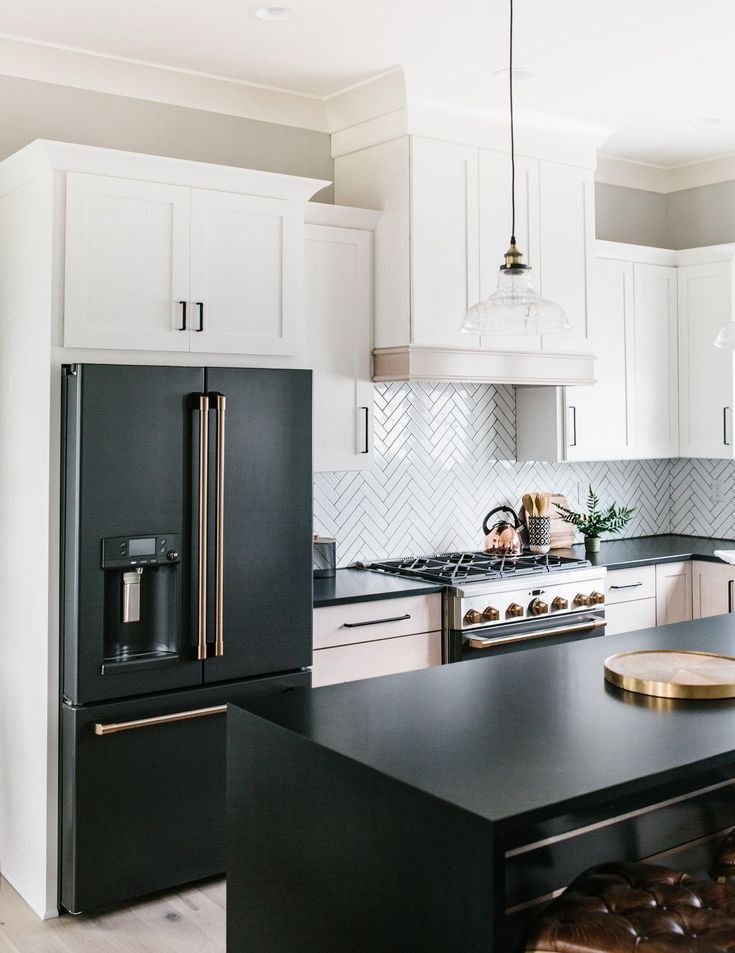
(440, 809)
(364, 585)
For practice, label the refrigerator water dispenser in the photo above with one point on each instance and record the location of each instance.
(141, 601)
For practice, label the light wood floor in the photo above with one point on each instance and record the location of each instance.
(191, 920)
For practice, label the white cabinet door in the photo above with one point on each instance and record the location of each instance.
(599, 417)
(654, 370)
(567, 250)
(705, 372)
(713, 588)
(127, 264)
(495, 226)
(246, 258)
(673, 592)
(337, 316)
(444, 242)
(630, 616)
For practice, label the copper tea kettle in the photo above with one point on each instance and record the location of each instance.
(503, 538)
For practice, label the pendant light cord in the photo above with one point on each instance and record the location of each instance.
(512, 135)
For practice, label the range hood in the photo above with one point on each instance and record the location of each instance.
(413, 362)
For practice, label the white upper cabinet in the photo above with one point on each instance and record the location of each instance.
(439, 245)
(567, 239)
(127, 264)
(245, 272)
(707, 379)
(169, 255)
(632, 409)
(338, 314)
(444, 241)
(655, 367)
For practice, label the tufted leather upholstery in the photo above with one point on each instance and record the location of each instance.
(723, 865)
(637, 908)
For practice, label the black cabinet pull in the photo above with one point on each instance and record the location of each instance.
(366, 425)
(395, 618)
(183, 315)
(632, 585)
(200, 305)
(724, 427)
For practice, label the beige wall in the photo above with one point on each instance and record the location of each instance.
(687, 219)
(32, 110)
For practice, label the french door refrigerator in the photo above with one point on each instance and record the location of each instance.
(186, 584)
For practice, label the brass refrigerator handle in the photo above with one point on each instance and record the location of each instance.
(112, 727)
(538, 634)
(219, 537)
(203, 494)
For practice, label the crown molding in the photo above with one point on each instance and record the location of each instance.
(80, 69)
(613, 170)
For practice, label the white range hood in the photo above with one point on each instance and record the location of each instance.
(416, 363)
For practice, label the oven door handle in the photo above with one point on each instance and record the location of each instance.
(537, 634)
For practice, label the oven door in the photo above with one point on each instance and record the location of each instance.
(517, 637)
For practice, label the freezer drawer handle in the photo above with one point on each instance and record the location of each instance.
(219, 530)
(115, 726)
(538, 634)
(395, 618)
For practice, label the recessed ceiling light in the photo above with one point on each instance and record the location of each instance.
(271, 14)
(704, 121)
(518, 73)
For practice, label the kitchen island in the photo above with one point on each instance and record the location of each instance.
(438, 810)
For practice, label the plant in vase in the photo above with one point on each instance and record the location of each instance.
(596, 521)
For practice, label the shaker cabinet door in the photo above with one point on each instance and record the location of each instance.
(245, 271)
(705, 372)
(127, 264)
(337, 312)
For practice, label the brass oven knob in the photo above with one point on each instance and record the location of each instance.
(473, 617)
(538, 607)
(581, 600)
(559, 604)
(596, 598)
(514, 610)
(490, 614)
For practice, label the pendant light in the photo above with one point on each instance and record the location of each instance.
(726, 337)
(515, 307)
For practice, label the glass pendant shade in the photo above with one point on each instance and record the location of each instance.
(515, 308)
(726, 337)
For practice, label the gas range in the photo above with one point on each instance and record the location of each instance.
(506, 603)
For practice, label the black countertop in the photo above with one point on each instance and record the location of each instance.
(364, 585)
(519, 734)
(360, 585)
(649, 550)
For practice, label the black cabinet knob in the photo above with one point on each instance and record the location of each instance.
(172, 555)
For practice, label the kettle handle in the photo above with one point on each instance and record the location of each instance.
(501, 509)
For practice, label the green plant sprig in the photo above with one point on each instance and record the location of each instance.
(596, 521)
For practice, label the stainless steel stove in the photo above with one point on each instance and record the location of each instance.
(507, 603)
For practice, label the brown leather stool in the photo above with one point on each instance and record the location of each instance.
(723, 866)
(638, 908)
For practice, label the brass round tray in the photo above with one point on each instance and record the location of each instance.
(673, 674)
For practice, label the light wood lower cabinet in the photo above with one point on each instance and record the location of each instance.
(713, 588)
(673, 592)
(366, 639)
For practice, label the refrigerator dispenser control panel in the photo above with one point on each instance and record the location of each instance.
(130, 552)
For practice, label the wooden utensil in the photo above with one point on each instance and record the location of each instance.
(528, 504)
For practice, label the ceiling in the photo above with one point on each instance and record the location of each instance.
(641, 71)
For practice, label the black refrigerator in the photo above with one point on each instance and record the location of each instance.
(186, 585)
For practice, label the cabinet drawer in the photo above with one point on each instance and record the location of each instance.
(625, 585)
(347, 663)
(629, 616)
(382, 619)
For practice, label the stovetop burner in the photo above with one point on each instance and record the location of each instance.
(466, 567)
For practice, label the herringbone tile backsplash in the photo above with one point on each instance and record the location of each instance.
(445, 456)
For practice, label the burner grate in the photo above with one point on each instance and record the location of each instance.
(470, 566)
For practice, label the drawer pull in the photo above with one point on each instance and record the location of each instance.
(395, 618)
(113, 727)
(631, 585)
